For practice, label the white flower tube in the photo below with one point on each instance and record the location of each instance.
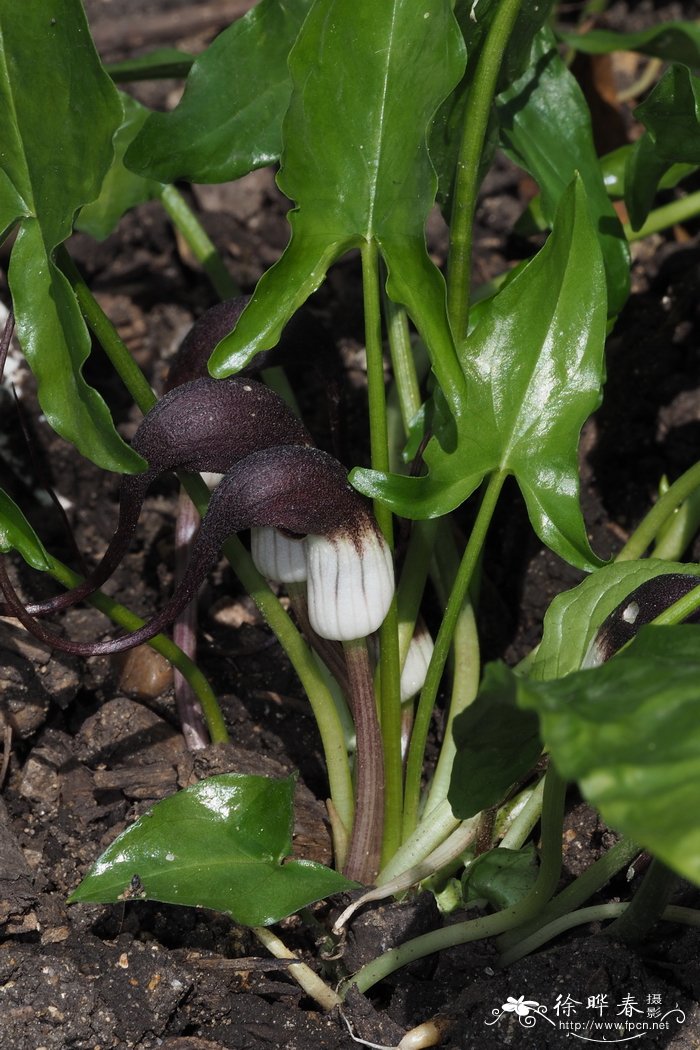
(415, 667)
(278, 557)
(350, 582)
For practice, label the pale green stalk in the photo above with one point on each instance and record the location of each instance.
(678, 211)
(614, 860)
(199, 242)
(426, 703)
(305, 977)
(653, 522)
(466, 185)
(488, 925)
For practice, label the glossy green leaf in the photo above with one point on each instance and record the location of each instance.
(629, 733)
(121, 188)
(229, 120)
(367, 78)
(497, 744)
(58, 112)
(16, 534)
(221, 845)
(573, 618)
(671, 115)
(671, 41)
(501, 876)
(534, 372)
(545, 126)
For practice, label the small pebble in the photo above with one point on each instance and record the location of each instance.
(143, 673)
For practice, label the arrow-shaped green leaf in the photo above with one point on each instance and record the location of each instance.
(58, 112)
(534, 372)
(367, 78)
(220, 844)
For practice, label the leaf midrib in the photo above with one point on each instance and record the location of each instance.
(379, 137)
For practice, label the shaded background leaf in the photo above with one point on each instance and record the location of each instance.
(544, 125)
(672, 41)
(58, 112)
(121, 189)
(229, 120)
(497, 743)
(220, 845)
(165, 62)
(671, 116)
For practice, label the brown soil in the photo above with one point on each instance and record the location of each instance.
(95, 742)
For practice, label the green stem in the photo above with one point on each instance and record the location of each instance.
(667, 215)
(414, 765)
(672, 541)
(302, 659)
(115, 348)
(518, 825)
(402, 363)
(649, 527)
(199, 242)
(595, 913)
(389, 697)
(488, 925)
(466, 185)
(189, 671)
(425, 840)
(465, 670)
(647, 904)
(581, 889)
(412, 584)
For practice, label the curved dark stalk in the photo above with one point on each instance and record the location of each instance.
(6, 339)
(203, 425)
(294, 488)
(364, 851)
(132, 494)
